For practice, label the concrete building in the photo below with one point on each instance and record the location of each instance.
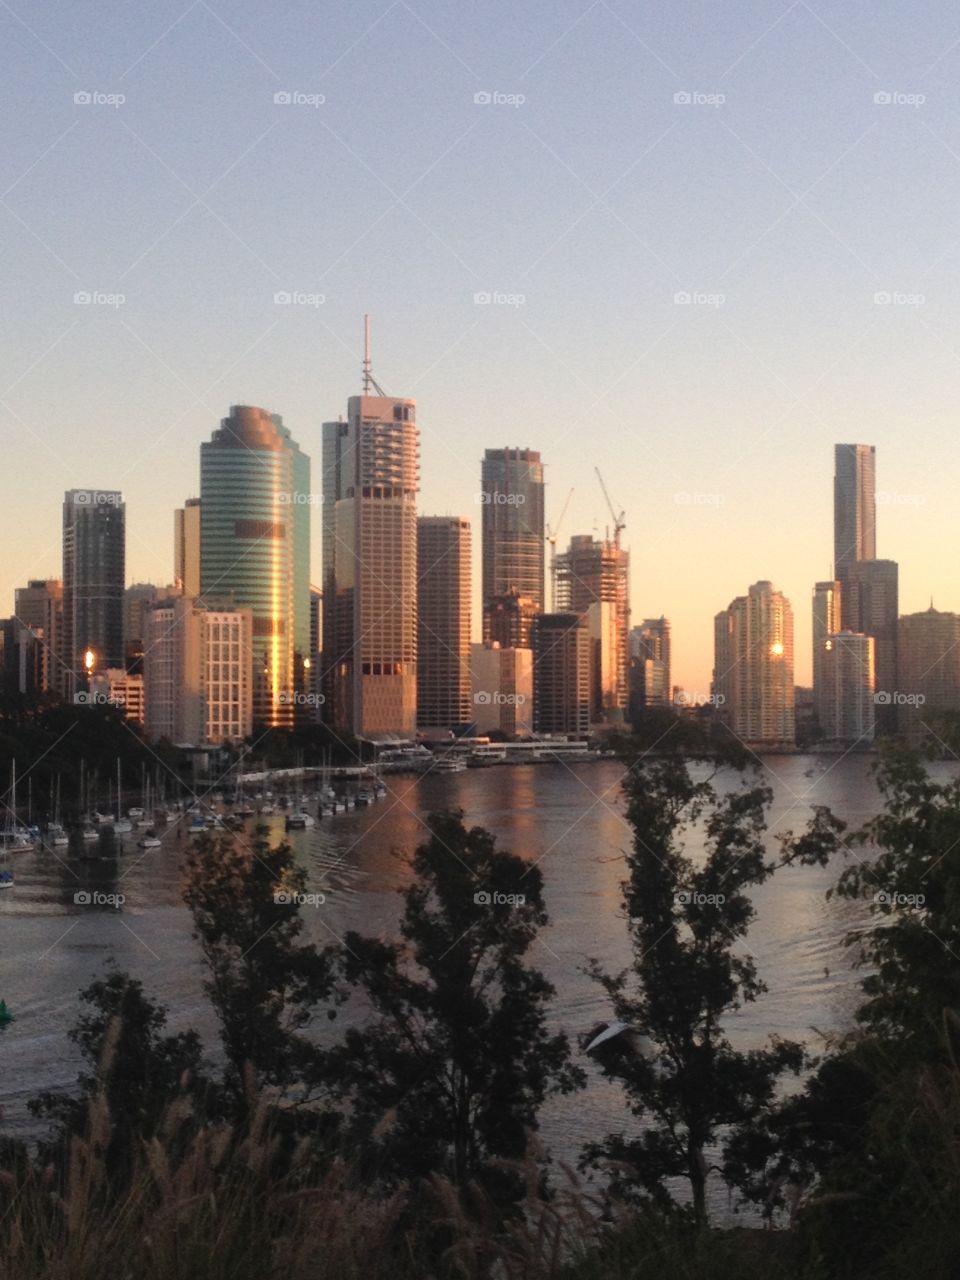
(845, 705)
(561, 674)
(186, 548)
(648, 647)
(39, 608)
(871, 606)
(753, 686)
(443, 622)
(928, 680)
(370, 479)
(827, 620)
(116, 687)
(255, 549)
(198, 673)
(595, 571)
(94, 565)
(502, 690)
(512, 527)
(854, 506)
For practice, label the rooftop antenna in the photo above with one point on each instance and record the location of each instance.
(368, 379)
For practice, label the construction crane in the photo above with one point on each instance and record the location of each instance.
(552, 535)
(618, 520)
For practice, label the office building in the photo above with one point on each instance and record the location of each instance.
(512, 505)
(854, 506)
(845, 705)
(39, 608)
(870, 606)
(443, 622)
(928, 680)
(649, 672)
(753, 686)
(508, 619)
(186, 548)
(94, 549)
(502, 690)
(827, 620)
(255, 549)
(370, 479)
(561, 674)
(117, 687)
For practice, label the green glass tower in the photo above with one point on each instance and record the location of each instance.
(255, 549)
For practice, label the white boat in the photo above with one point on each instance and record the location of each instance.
(149, 840)
(56, 835)
(134, 813)
(121, 826)
(15, 838)
(89, 834)
(300, 821)
(450, 764)
(6, 879)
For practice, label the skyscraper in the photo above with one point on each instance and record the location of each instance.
(928, 680)
(846, 710)
(502, 689)
(753, 667)
(561, 674)
(511, 497)
(871, 606)
(827, 619)
(594, 571)
(94, 550)
(854, 506)
(443, 627)
(255, 548)
(39, 608)
(649, 649)
(370, 482)
(186, 547)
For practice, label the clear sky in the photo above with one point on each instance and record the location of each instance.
(782, 197)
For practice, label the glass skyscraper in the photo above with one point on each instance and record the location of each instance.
(255, 549)
(511, 497)
(94, 567)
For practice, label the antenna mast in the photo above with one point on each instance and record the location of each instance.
(368, 379)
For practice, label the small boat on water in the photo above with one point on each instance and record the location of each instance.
(450, 764)
(149, 840)
(300, 821)
(6, 880)
(89, 833)
(57, 835)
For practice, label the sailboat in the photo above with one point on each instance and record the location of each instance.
(56, 832)
(15, 838)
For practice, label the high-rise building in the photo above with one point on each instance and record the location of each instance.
(255, 548)
(138, 600)
(443, 622)
(118, 688)
(561, 674)
(845, 706)
(370, 482)
(854, 506)
(649, 651)
(508, 619)
(313, 683)
(186, 548)
(595, 571)
(827, 619)
(94, 550)
(39, 608)
(502, 689)
(871, 607)
(928, 680)
(198, 673)
(753, 667)
(512, 503)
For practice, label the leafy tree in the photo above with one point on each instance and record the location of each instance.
(452, 1071)
(264, 984)
(684, 1080)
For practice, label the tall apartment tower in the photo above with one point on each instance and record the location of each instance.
(753, 667)
(370, 483)
(827, 620)
(845, 699)
(512, 502)
(871, 606)
(255, 548)
(561, 674)
(94, 566)
(928, 680)
(597, 571)
(649, 650)
(443, 622)
(186, 548)
(854, 506)
(39, 608)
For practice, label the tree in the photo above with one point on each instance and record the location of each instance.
(451, 1073)
(264, 984)
(684, 1080)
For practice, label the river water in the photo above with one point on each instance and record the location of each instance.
(569, 817)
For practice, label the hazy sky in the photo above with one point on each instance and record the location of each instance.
(782, 197)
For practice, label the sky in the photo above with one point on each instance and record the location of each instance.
(692, 245)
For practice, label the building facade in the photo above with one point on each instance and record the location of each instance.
(561, 674)
(39, 608)
(854, 506)
(502, 690)
(94, 567)
(871, 606)
(443, 622)
(649, 654)
(753, 688)
(512, 528)
(597, 571)
(928, 679)
(186, 548)
(845, 699)
(255, 549)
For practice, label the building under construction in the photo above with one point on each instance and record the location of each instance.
(593, 580)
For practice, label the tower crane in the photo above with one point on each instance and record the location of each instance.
(552, 535)
(619, 522)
